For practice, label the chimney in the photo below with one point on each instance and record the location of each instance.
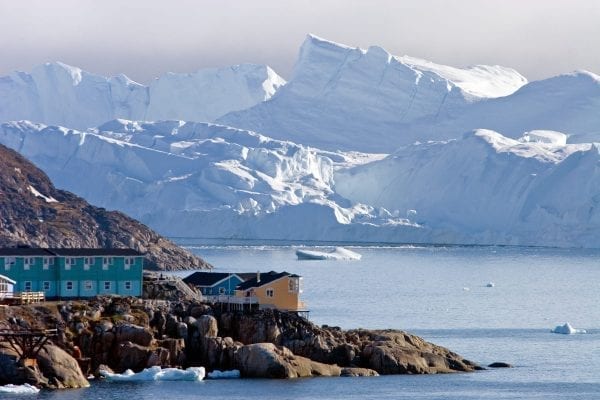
(257, 276)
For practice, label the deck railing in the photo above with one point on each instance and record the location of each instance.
(22, 297)
(223, 298)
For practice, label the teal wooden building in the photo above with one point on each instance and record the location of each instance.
(73, 273)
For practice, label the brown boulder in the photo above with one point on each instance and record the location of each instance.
(133, 333)
(132, 356)
(207, 326)
(61, 370)
(265, 360)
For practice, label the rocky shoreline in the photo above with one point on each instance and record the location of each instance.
(117, 333)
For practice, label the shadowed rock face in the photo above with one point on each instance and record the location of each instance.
(34, 212)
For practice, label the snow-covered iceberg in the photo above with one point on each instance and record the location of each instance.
(342, 97)
(157, 374)
(198, 180)
(231, 374)
(338, 253)
(59, 94)
(567, 329)
(19, 389)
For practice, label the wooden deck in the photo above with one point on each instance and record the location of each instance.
(17, 298)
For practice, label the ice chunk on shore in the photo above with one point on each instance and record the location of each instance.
(157, 374)
(567, 329)
(216, 374)
(19, 389)
(339, 253)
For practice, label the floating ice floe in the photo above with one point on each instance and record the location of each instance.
(216, 374)
(339, 253)
(567, 329)
(157, 374)
(19, 389)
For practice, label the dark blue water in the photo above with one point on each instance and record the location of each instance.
(440, 294)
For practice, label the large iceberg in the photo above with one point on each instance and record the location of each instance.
(209, 181)
(342, 97)
(59, 94)
(364, 146)
(348, 98)
(338, 253)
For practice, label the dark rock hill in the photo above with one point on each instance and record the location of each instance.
(33, 212)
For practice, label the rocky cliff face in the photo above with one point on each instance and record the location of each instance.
(35, 213)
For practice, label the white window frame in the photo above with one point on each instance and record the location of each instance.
(10, 261)
(69, 262)
(128, 285)
(107, 285)
(27, 286)
(47, 285)
(48, 261)
(270, 292)
(88, 261)
(28, 262)
(106, 261)
(69, 283)
(88, 285)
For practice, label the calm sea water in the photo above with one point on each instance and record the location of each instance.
(440, 294)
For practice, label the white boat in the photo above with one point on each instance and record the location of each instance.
(338, 253)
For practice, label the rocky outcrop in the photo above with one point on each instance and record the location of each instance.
(387, 352)
(355, 371)
(266, 360)
(395, 352)
(34, 212)
(130, 333)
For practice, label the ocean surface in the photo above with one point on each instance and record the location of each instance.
(441, 294)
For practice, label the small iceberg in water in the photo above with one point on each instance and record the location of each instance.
(216, 374)
(157, 374)
(567, 329)
(26, 388)
(338, 253)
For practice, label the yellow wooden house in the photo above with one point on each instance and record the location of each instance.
(280, 290)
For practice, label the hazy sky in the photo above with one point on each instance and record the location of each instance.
(145, 38)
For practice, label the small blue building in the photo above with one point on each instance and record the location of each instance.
(214, 283)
